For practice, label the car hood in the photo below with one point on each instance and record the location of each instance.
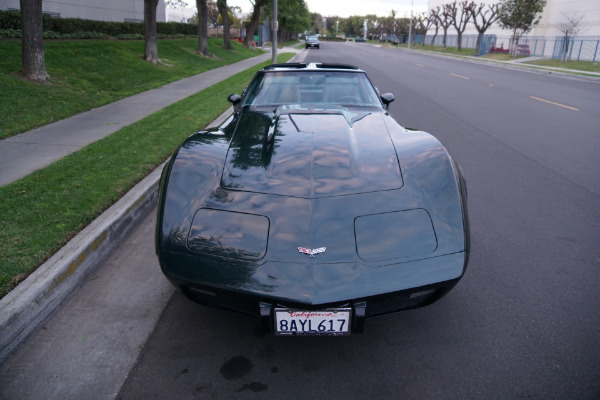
(311, 154)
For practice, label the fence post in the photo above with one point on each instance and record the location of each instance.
(596, 52)
(579, 55)
(571, 50)
(544, 48)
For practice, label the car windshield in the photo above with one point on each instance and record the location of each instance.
(312, 38)
(319, 88)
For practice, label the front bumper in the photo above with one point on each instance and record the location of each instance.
(370, 291)
(362, 308)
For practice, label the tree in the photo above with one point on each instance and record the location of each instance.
(434, 16)
(251, 30)
(234, 22)
(151, 50)
(520, 16)
(317, 23)
(293, 17)
(460, 14)
(420, 27)
(372, 25)
(33, 64)
(354, 25)
(389, 25)
(429, 21)
(202, 27)
(486, 20)
(569, 28)
(445, 21)
(224, 12)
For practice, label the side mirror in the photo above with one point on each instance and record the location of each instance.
(234, 99)
(387, 98)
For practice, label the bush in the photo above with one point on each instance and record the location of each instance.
(10, 34)
(10, 23)
(10, 20)
(130, 36)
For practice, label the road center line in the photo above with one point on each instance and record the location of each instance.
(553, 103)
(419, 65)
(459, 76)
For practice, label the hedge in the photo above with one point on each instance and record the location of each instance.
(10, 21)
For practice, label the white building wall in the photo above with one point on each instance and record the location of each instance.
(555, 12)
(105, 10)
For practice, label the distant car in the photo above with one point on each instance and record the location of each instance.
(312, 41)
(311, 208)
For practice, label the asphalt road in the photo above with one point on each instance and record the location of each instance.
(523, 323)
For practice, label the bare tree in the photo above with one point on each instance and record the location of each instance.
(151, 50)
(445, 21)
(421, 25)
(224, 11)
(428, 22)
(434, 17)
(460, 14)
(486, 20)
(569, 28)
(33, 64)
(202, 6)
(257, 5)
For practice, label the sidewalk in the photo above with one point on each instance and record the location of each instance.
(22, 154)
(32, 301)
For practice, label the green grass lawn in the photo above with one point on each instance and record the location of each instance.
(500, 57)
(440, 49)
(41, 212)
(85, 74)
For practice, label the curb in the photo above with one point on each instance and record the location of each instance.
(32, 301)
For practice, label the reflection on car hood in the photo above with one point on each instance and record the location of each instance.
(311, 155)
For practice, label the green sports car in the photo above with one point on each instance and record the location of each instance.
(311, 207)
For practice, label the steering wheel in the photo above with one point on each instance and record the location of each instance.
(349, 99)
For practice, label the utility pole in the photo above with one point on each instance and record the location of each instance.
(275, 28)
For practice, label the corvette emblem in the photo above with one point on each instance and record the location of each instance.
(312, 252)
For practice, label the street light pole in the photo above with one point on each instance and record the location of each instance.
(275, 26)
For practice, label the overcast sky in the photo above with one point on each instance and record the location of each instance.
(346, 8)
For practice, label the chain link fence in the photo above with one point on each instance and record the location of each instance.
(586, 48)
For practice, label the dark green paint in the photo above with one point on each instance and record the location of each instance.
(387, 203)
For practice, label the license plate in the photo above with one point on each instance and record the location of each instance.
(333, 321)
